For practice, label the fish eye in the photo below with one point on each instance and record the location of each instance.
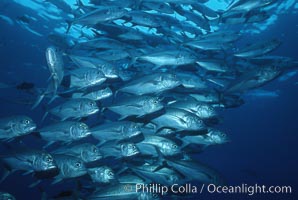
(91, 104)
(111, 173)
(95, 150)
(133, 146)
(175, 146)
(49, 159)
(83, 126)
(78, 164)
(26, 121)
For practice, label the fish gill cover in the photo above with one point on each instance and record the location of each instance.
(128, 99)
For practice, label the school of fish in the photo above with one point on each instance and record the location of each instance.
(140, 99)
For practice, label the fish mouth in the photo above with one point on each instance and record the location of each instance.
(136, 152)
(81, 172)
(32, 128)
(135, 134)
(51, 167)
(97, 157)
(94, 111)
(112, 76)
(86, 134)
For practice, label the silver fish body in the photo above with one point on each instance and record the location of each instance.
(56, 68)
(116, 131)
(119, 150)
(75, 108)
(30, 160)
(87, 152)
(203, 111)
(95, 95)
(101, 174)
(14, 126)
(150, 84)
(66, 131)
(69, 167)
(6, 196)
(166, 146)
(180, 120)
(137, 106)
(86, 77)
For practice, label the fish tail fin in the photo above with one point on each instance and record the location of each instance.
(80, 4)
(69, 24)
(34, 184)
(156, 67)
(38, 101)
(184, 144)
(53, 98)
(44, 116)
(5, 175)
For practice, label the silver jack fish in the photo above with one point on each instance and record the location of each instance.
(136, 106)
(75, 109)
(66, 132)
(87, 152)
(15, 126)
(29, 161)
(69, 167)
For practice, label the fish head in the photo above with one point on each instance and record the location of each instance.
(76, 168)
(105, 93)
(218, 137)
(6, 196)
(91, 153)
(173, 178)
(24, 125)
(95, 76)
(185, 58)
(133, 130)
(169, 148)
(89, 107)
(205, 111)
(102, 174)
(44, 162)
(170, 80)
(166, 131)
(110, 71)
(152, 105)
(129, 149)
(80, 130)
(108, 174)
(149, 195)
(193, 122)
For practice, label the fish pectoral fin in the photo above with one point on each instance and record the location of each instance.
(34, 184)
(123, 117)
(8, 140)
(48, 144)
(28, 172)
(5, 175)
(56, 180)
(140, 116)
(156, 67)
(122, 170)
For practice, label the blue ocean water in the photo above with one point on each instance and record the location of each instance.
(263, 131)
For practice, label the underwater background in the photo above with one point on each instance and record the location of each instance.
(263, 131)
